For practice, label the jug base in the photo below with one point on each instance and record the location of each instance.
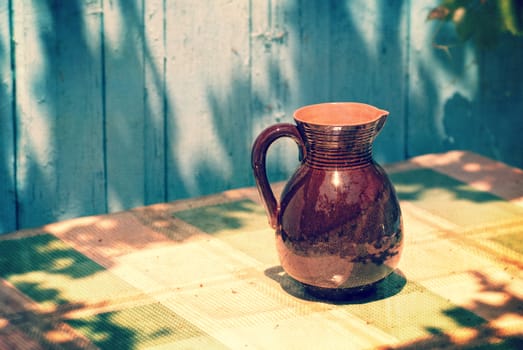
(341, 294)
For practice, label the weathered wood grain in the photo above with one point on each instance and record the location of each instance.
(369, 64)
(60, 168)
(208, 94)
(7, 131)
(155, 167)
(124, 103)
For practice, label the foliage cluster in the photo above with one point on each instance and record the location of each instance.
(482, 21)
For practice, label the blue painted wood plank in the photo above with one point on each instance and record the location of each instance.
(7, 132)
(311, 52)
(288, 45)
(307, 63)
(434, 77)
(60, 168)
(155, 167)
(208, 92)
(369, 63)
(124, 103)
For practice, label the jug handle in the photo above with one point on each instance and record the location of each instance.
(258, 159)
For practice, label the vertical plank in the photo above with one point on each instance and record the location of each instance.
(290, 65)
(60, 172)
(154, 130)
(309, 48)
(271, 70)
(435, 77)
(124, 103)
(7, 132)
(369, 63)
(208, 92)
(497, 133)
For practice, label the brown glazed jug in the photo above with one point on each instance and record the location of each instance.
(338, 222)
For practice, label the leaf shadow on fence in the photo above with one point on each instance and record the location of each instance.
(7, 183)
(59, 114)
(459, 95)
(98, 129)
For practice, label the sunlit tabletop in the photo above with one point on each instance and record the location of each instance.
(203, 273)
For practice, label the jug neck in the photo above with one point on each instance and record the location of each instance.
(338, 147)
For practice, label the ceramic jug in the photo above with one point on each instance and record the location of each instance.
(338, 221)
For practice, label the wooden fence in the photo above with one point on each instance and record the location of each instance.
(110, 104)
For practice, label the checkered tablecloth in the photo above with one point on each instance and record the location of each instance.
(203, 274)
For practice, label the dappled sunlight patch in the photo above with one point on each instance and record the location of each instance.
(142, 327)
(3, 322)
(483, 185)
(490, 293)
(226, 218)
(472, 167)
(494, 298)
(479, 172)
(106, 224)
(58, 336)
(486, 307)
(64, 226)
(451, 199)
(105, 238)
(53, 274)
(463, 336)
(242, 224)
(509, 324)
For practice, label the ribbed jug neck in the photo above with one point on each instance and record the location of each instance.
(336, 147)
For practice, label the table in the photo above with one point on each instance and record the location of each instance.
(203, 274)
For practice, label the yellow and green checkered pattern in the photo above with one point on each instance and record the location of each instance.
(204, 274)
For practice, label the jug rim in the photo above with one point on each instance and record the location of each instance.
(339, 114)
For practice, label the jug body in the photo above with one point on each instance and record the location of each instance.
(338, 222)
